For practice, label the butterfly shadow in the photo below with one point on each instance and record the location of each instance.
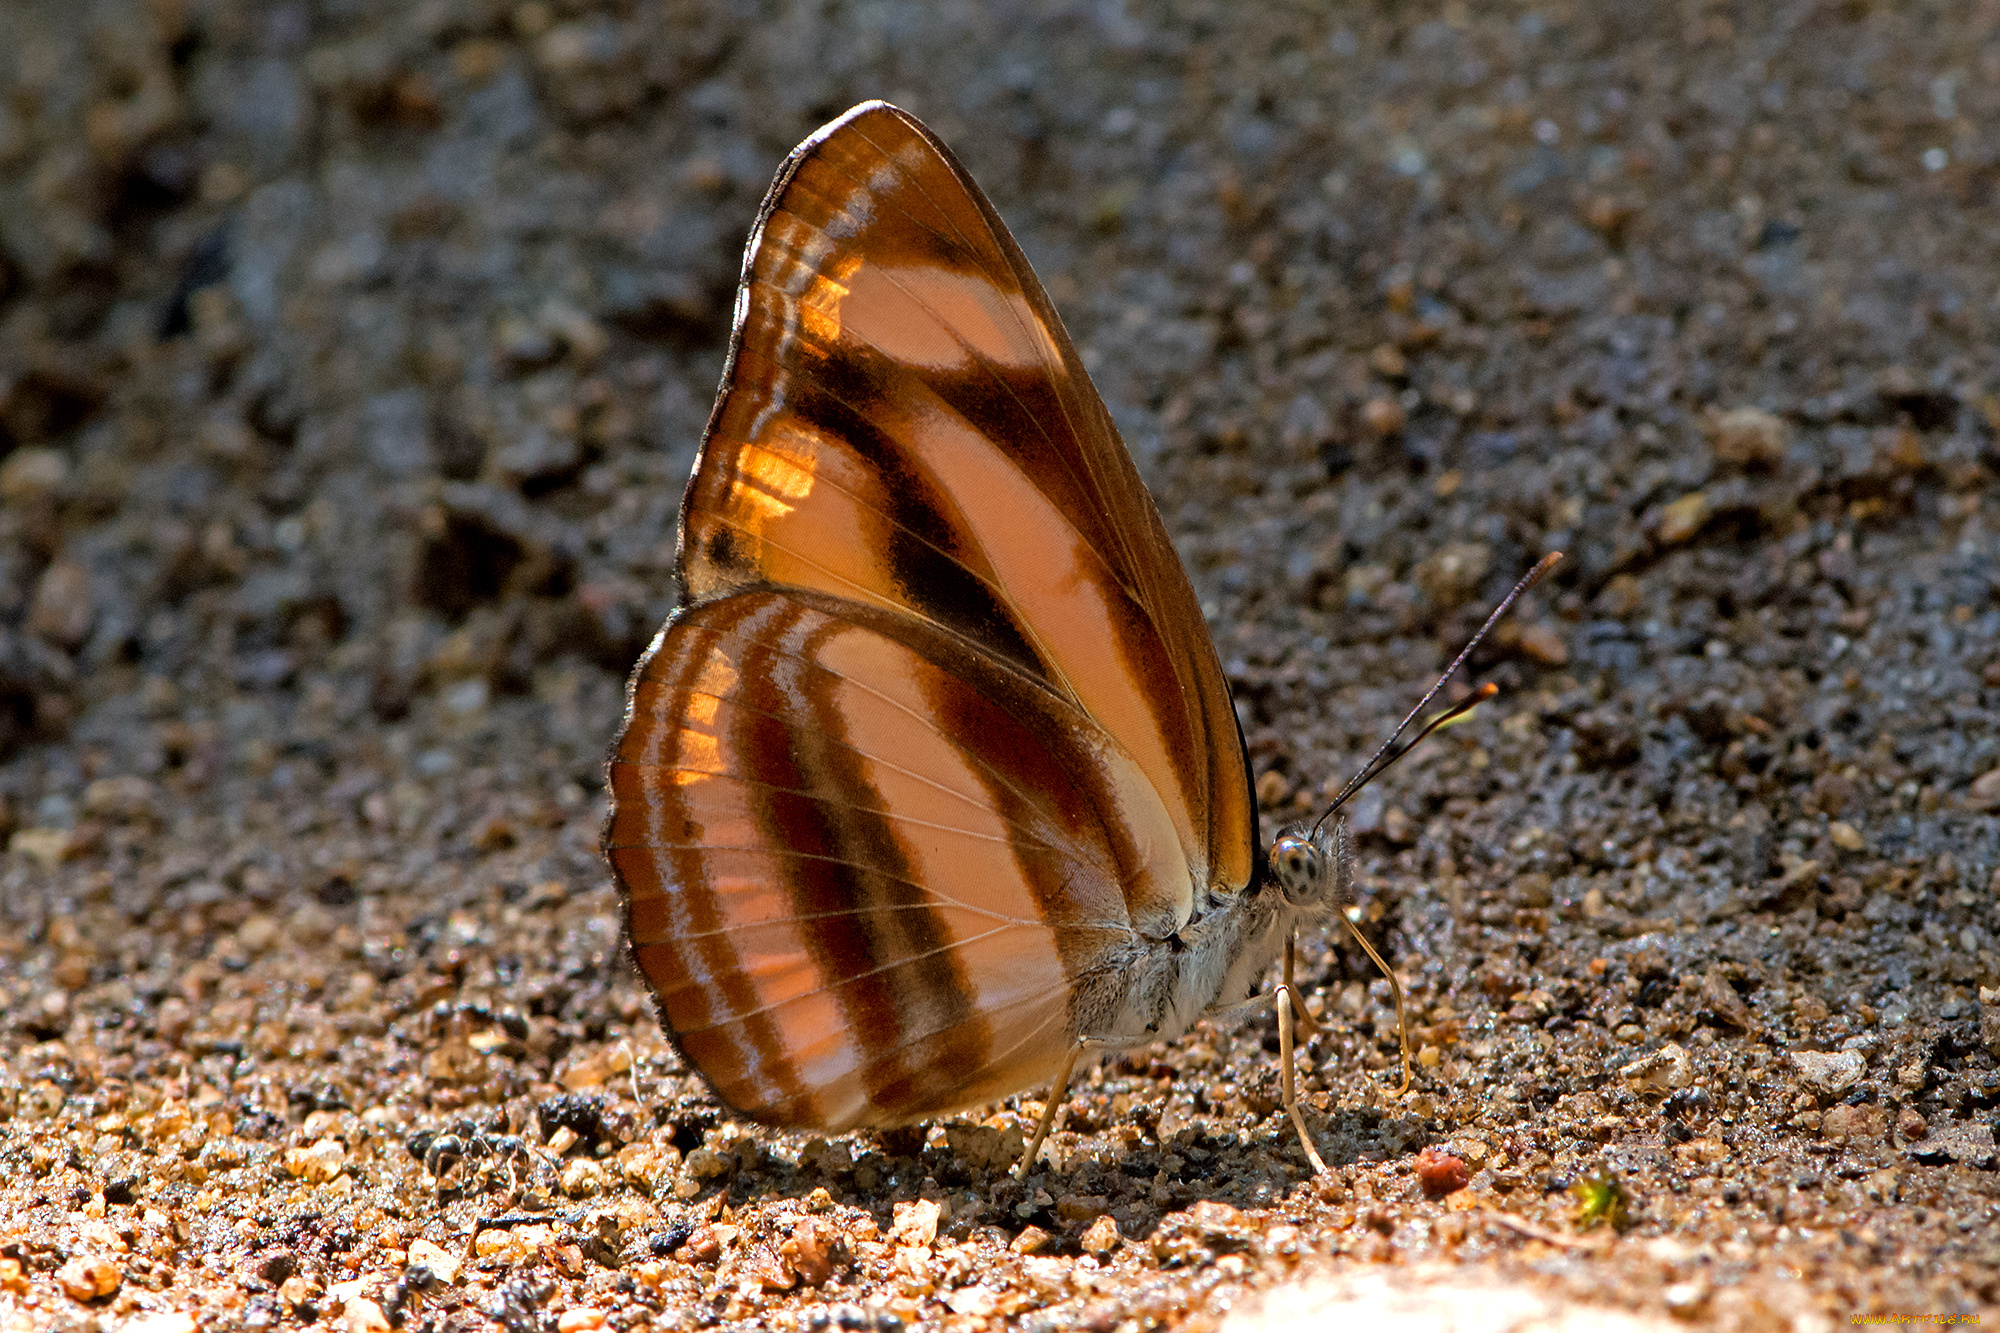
(1153, 1191)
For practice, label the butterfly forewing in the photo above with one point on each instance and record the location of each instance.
(905, 422)
(939, 729)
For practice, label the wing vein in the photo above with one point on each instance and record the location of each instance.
(903, 961)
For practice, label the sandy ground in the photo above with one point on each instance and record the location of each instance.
(352, 356)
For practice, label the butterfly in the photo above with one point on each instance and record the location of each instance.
(931, 785)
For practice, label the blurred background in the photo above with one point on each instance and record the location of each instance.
(352, 356)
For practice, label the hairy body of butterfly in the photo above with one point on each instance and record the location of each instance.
(933, 782)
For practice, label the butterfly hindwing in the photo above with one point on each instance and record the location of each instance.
(866, 867)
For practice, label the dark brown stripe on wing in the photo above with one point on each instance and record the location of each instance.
(878, 938)
(1044, 421)
(679, 935)
(925, 547)
(1031, 783)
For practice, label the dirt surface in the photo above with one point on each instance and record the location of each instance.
(352, 357)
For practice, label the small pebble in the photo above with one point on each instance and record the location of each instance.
(1440, 1173)
(1685, 1299)
(1667, 1069)
(363, 1315)
(706, 1163)
(1749, 437)
(90, 1277)
(257, 934)
(1085, 1207)
(977, 1302)
(1621, 596)
(1682, 519)
(319, 1163)
(809, 1250)
(1543, 643)
(1384, 416)
(1829, 1073)
(61, 610)
(1032, 1240)
(32, 473)
(514, 1244)
(48, 846)
(1852, 1122)
(441, 1262)
(1451, 574)
(1101, 1237)
(595, 1069)
(916, 1222)
(124, 797)
(704, 1246)
(583, 1178)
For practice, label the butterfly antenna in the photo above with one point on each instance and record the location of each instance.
(1389, 752)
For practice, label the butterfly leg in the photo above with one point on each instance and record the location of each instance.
(1300, 1014)
(1057, 1092)
(1343, 878)
(1289, 1011)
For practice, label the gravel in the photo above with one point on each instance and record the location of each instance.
(352, 358)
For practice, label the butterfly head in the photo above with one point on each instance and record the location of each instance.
(1311, 868)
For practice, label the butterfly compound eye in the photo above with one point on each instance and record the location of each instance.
(1298, 866)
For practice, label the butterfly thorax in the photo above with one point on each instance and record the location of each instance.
(1159, 987)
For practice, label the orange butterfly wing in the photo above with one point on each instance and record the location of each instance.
(954, 838)
(905, 422)
(906, 439)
